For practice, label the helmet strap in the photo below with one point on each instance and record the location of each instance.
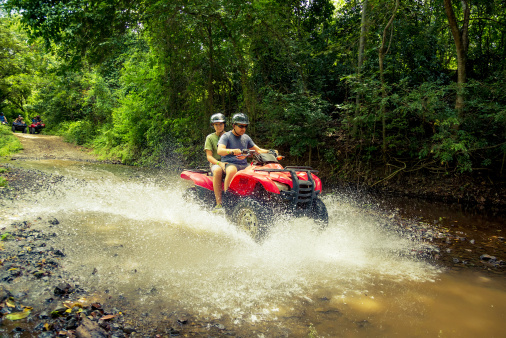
(233, 131)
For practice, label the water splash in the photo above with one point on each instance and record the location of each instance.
(137, 237)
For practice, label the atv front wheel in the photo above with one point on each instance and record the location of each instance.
(253, 217)
(319, 213)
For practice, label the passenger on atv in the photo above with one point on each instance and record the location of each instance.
(211, 148)
(231, 144)
(37, 125)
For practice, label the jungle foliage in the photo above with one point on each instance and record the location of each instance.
(138, 80)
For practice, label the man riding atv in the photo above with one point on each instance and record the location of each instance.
(19, 124)
(231, 144)
(3, 119)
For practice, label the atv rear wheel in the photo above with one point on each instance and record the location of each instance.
(253, 217)
(201, 196)
(190, 195)
(319, 213)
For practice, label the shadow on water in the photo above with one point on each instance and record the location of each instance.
(129, 233)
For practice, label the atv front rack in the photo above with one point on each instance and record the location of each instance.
(302, 192)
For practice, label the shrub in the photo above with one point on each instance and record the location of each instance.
(79, 132)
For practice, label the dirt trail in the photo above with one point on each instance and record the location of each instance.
(43, 147)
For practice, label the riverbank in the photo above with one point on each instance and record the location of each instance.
(479, 189)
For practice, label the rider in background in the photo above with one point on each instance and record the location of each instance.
(211, 148)
(19, 121)
(36, 119)
(3, 119)
(231, 144)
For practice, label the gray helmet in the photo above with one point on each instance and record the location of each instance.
(240, 118)
(216, 118)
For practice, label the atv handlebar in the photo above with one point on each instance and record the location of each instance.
(250, 152)
(247, 152)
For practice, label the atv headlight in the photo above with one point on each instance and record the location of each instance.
(282, 186)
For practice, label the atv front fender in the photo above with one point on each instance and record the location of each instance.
(317, 183)
(244, 183)
(199, 179)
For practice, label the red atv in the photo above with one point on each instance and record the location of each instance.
(36, 127)
(262, 190)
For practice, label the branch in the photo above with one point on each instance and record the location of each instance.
(489, 19)
(491, 147)
(391, 175)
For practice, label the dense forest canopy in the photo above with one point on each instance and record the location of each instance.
(366, 88)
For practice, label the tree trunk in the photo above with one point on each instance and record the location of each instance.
(361, 47)
(249, 101)
(382, 52)
(461, 38)
(210, 84)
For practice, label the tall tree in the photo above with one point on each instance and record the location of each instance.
(383, 50)
(461, 39)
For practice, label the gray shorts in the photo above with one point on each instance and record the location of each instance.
(215, 167)
(238, 166)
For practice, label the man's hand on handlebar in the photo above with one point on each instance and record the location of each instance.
(247, 152)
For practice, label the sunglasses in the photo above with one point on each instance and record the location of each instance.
(242, 126)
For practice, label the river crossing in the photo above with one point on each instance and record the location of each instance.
(128, 234)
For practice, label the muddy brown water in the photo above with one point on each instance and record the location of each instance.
(128, 235)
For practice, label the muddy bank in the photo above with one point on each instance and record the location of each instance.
(476, 189)
(473, 190)
(40, 147)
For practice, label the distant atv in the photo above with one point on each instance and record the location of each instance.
(19, 127)
(36, 127)
(261, 191)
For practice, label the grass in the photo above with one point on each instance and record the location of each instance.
(9, 144)
(3, 180)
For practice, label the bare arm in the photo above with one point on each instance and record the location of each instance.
(210, 158)
(223, 151)
(259, 150)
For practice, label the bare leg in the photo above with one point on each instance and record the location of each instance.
(231, 171)
(217, 175)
